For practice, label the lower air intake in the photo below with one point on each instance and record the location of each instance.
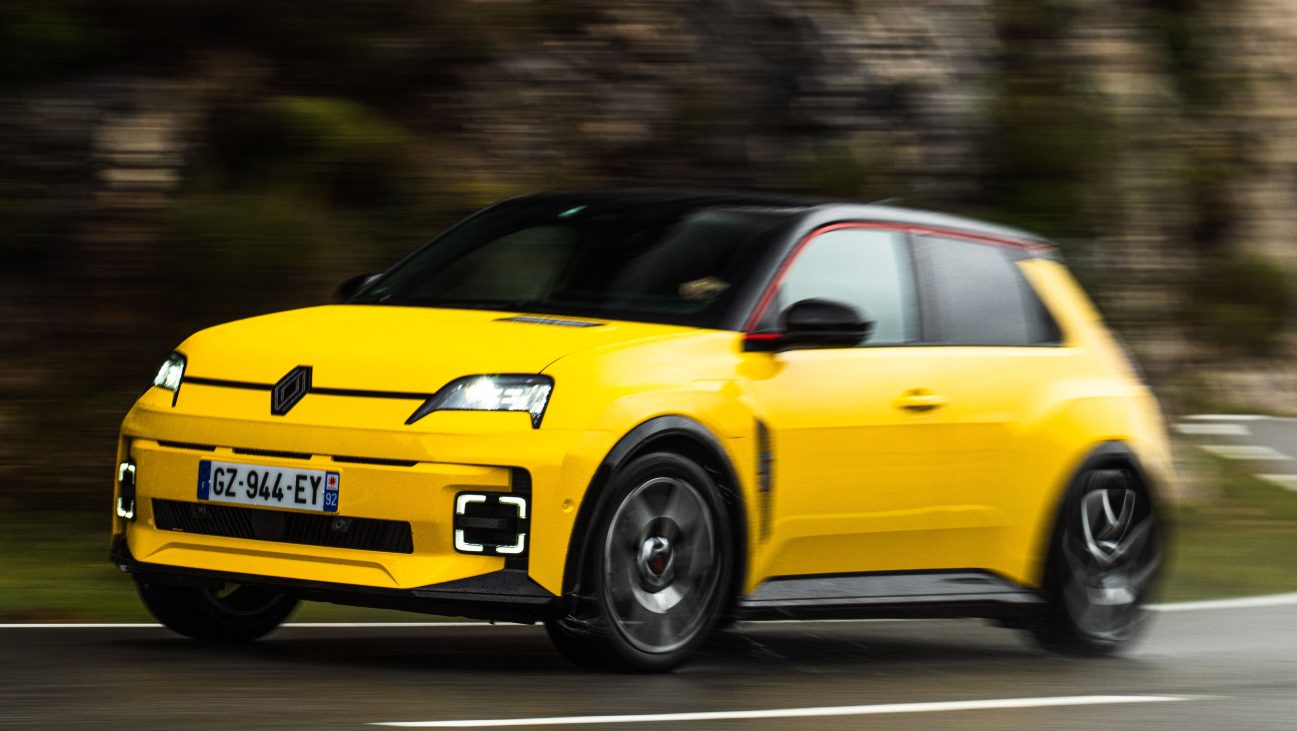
(332, 531)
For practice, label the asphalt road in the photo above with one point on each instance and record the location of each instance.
(1221, 668)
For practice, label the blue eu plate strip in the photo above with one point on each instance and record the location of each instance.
(204, 479)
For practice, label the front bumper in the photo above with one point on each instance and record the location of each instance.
(404, 479)
(506, 595)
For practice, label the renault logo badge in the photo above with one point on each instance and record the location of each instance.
(289, 390)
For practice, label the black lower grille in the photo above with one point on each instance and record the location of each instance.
(333, 531)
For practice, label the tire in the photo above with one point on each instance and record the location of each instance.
(229, 614)
(1104, 561)
(657, 570)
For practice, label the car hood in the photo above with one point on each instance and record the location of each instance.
(407, 349)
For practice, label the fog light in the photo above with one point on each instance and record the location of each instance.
(491, 523)
(126, 490)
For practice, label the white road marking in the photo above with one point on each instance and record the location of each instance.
(310, 625)
(290, 625)
(1247, 452)
(1247, 602)
(886, 708)
(1288, 482)
(74, 625)
(1213, 429)
(1228, 417)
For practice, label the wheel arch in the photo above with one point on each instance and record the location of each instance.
(671, 433)
(1103, 455)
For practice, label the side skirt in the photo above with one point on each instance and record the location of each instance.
(962, 593)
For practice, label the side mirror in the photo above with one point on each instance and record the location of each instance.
(352, 286)
(814, 323)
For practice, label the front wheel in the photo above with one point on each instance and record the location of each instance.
(658, 570)
(1104, 559)
(229, 613)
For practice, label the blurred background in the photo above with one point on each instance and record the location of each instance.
(167, 166)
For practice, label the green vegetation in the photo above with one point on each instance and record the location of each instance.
(1053, 139)
(1243, 304)
(1238, 541)
(57, 570)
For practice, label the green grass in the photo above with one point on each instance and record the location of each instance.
(1238, 539)
(56, 569)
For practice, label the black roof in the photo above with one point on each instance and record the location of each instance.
(821, 210)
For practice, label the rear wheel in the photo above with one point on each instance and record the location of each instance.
(658, 569)
(1105, 557)
(230, 613)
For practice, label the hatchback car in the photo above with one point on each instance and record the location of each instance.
(637, 415)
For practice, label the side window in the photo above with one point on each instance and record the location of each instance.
(867, 269)
(975, 295)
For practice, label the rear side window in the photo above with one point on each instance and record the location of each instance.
(975, 295)
(865, 268)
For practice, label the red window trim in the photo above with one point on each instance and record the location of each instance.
(778, 279)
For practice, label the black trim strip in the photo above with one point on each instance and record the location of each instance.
(408, 395)
(354, 392)
(222, 383)
(253, 452)
(958, 592)
(380, 461)
(187, 445)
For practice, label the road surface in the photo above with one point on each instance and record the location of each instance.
(1203, 667)
(1267, 444)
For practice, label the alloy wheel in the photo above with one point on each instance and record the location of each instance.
(1112, 554)
(660, 565)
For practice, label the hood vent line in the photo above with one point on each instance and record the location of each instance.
(556, 321)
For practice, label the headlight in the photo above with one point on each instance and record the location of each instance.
(490, 393)
(170, 373)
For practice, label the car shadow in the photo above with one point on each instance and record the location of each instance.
(872, 648)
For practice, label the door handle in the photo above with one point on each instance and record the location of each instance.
(920, 399)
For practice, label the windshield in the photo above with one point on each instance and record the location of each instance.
(674, 263)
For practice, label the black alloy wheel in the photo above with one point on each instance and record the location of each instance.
(1105, 558)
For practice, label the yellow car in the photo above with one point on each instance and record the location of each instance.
(637, 415)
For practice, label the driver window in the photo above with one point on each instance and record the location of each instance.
(867, 269)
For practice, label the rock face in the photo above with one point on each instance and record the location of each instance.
(1153, 139)
(1263, 37)
(747, 94)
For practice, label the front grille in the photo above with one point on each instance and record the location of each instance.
(333, 531)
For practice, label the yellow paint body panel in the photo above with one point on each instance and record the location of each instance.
(861, 483)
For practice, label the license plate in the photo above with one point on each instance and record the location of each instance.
(275, 487)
